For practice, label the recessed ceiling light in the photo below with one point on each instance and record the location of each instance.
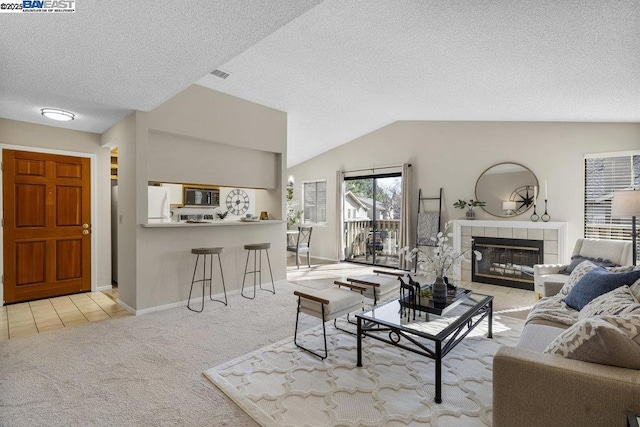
(55, 114)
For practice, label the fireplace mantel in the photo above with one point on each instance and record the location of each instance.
(554, 234)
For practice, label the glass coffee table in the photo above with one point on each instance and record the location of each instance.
(425, 329)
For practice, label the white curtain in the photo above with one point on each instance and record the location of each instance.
(339, 214)
(405, 223)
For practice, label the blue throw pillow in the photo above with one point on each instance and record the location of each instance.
(597, 282)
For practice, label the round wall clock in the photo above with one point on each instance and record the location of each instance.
(237, 202)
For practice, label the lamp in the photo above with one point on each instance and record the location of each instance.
(627, 203)
(509, 206)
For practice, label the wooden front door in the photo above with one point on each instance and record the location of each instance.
(47, 228)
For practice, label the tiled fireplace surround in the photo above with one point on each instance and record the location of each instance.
(554, 235)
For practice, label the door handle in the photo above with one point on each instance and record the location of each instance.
(85, 226)
(85, 232)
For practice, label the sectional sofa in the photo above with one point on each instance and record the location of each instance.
(577, 362)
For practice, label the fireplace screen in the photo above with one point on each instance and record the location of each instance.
(507, 262)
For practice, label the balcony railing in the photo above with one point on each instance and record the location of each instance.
(359, 232)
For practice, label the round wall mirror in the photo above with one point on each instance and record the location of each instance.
(507, 189)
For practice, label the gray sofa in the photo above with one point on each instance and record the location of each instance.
(533, 388)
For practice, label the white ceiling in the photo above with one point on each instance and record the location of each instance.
(111, 57)
(340, 69)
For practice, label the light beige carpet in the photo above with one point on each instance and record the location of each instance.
(139, 370)
(281, 385)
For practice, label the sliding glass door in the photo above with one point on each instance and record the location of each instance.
(371, 219)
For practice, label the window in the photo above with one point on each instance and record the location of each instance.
(604, 174)
(315, 202)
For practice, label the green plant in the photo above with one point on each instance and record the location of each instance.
(293, 215)
(440, 260)
(461, 204)
(426, 293)
(222, 215)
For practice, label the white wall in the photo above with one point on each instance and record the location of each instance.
(39, 137)
(158, 265)
(452, 155)
(187, 160)
(123, 136)
(209, 115)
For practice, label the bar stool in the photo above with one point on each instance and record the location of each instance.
(257, 268)
(206, 252)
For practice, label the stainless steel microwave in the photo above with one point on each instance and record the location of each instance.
(209, 197)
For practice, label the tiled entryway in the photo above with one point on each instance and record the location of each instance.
(33, 317)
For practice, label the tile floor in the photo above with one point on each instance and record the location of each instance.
(28, 318)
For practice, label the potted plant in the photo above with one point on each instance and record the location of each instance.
(469, 205)
(440, 261)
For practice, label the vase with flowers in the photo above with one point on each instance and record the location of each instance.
(469, 205)
(440, 261)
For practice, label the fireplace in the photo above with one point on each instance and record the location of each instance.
(506, 262)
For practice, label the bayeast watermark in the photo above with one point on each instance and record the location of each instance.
(39, 6)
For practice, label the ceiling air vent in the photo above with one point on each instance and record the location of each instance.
(219, 73)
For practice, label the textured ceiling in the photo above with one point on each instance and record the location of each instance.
(111, 57)
(346, 68)
(340, 69)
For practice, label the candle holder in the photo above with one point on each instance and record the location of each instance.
(545, 216)
(534, 216)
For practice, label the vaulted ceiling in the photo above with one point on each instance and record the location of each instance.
(340, 69)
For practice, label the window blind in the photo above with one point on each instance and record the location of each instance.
(315, 202)
(605, 175)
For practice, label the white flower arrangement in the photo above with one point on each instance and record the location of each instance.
(441, 260)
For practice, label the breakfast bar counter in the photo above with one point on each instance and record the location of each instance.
(210, 223)
(165, 263)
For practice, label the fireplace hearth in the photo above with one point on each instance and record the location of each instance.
(554, 236)
(505, 261)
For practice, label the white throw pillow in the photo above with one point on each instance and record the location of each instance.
(614, 303)
(623, 268)
(635, 289)
(613, 341)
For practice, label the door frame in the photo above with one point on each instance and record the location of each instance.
(94, 204)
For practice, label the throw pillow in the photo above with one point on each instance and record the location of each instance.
(595, 283)
(613, 341)
(635, 289)
(624, 268)
(615, 303)
(575, 276)
(577, 259)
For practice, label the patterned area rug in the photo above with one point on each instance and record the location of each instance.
(282, 385)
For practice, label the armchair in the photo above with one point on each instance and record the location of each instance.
(548, 278)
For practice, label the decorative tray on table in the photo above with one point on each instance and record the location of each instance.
(413, 300)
